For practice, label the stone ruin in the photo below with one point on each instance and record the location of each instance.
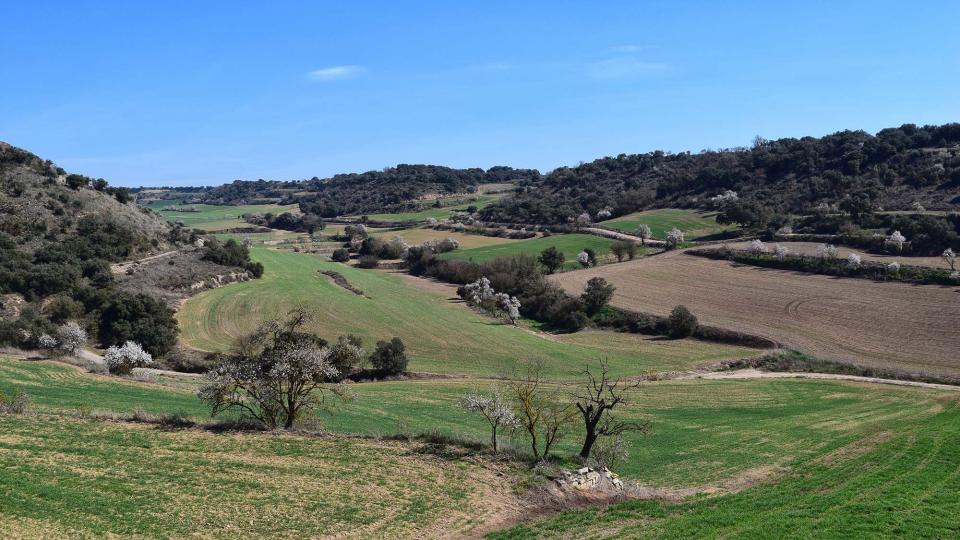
(588, 479)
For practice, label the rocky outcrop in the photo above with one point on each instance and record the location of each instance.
(10, 306)
(215, 282)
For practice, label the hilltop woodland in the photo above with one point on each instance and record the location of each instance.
(849, 170)
(59, 234)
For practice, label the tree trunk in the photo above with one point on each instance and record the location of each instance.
(493, 439)
(588, 444)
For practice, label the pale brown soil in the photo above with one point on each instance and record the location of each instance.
(909, 327)
(810, 248)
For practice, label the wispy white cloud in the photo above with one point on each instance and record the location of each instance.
(623, 49)
(336, 73)
(625, 68)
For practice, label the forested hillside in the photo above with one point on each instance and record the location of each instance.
(393, 189)
(849, 170)
(59, 234)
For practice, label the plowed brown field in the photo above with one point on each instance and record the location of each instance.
(910, 327)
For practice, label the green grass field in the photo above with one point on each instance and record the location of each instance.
(442, 336)
(832, 459)
(570, 244)
(428, 211)
(63, 477)
(694, 224)
(217, 218)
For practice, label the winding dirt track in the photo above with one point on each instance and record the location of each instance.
(910, 327)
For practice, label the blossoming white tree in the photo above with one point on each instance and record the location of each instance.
(950, 258)
(604, 214)
(583, 258)
(122, 360)
(827, 252)
(71, 337)
(854, 260)
(494, 409)
(481, 295)
(644, 232)
(780, 252)
(757, 247)
(893, 267)
(583, 220)
(278, 374)
(895, 241)
(674, 237)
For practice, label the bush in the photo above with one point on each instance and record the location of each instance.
(682, 323)
(570, 321)
(340, 255)
(368, 261)
(18, 403)
(596, 295)
(140, 318)
(389, 357)
(122, 360)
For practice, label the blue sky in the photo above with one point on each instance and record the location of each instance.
(160, 93)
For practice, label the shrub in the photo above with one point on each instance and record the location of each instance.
(570, 321)
(682, 323)
(552, 259)
(389, 357)
(122, 360)
(340, 255)
(18, 403)
(368, 261)
(596, 295)
(139, 318)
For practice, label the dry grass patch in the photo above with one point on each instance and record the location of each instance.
(893, 325)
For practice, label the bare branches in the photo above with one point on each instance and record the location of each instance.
(596, 399)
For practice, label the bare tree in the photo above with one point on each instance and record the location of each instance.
(540, 411)
(596, 400)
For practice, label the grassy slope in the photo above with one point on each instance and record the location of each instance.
(64, 477)
(903, 486)
(703, 431)
(569, 244)
(479, 201)
(217, 218)
(694, 224)
(441, 336)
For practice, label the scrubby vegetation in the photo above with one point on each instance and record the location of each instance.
(853, 170)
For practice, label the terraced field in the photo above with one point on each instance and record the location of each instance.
(442, 334)
(214, 218)
(695, 225)
(569, 244)
(891, 325)
(420, 234)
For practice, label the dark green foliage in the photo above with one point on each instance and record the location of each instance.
(596, 295)
(682, 323)
(138, 318)
(623, 248)
(231, 253)
(340, 255)
(368, 261)
(552, 259)
(389, 357)
(852, 169)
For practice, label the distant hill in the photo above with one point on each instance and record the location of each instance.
(394, 189)
(894, 169)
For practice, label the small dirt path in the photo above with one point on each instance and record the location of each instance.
(622, 236)
(753, 373)
(120, 268)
